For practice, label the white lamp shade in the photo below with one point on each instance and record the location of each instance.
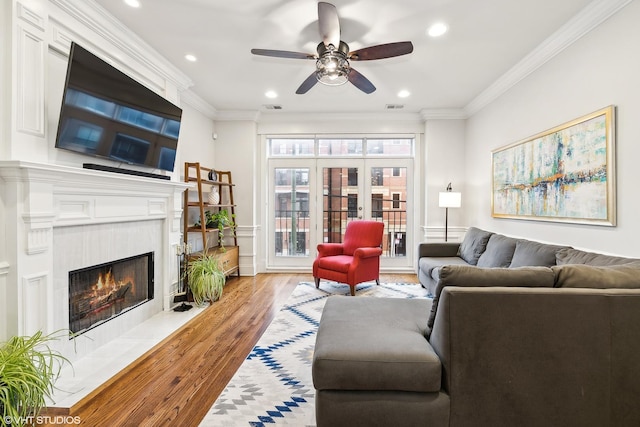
(450, 199)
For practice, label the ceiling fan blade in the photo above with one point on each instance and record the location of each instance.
(329, 24)
(361, 82)
(307, 84)
(282, 54)
(381, 51)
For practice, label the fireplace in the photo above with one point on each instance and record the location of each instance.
(101, 292)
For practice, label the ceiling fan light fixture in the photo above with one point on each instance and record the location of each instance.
(332, 60)
(332, 66)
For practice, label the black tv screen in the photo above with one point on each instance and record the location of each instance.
(107, 114)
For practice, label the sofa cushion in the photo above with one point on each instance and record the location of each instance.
(499, 251)
(530, 253)
(576, 256)
(473, 245)
(468, 276)
(375, 344)
(622, 276)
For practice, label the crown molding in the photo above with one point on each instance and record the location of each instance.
(114, 32)
(444, 114)
(238, 116)
(276, 117)
(586, 20)
(195, 101)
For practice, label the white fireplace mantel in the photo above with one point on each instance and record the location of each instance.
(40, 197)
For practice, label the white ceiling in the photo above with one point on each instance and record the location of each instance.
(486, 39)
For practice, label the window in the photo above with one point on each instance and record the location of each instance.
(352, 177)
(396, 200)
(390, 147)
(289, 147)
(291, 217)
(352, 205)
(340, 147)
(376, 205)
(377, 176)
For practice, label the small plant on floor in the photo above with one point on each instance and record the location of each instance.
(206, 279)
(28, 371)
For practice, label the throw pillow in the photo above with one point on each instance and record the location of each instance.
(468, 276)
(499, 252)
(473, 244)
(576, 256)
(622, 276)
(529, 253)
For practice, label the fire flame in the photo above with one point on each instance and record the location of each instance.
(107, 285)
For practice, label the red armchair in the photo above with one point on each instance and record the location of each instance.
(353, 261)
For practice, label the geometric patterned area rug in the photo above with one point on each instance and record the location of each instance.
(273, 386)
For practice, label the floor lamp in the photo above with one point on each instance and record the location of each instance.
(449, 199)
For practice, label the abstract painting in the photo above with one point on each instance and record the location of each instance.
(565, 174)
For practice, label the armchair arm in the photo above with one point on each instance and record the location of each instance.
(329, 249)
(367, 252)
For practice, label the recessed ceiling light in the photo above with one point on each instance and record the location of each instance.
(404, 93)
(191, 58)
(271, 94)
(437, 29)
(132, 3)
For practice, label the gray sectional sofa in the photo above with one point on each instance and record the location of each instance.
(518, 333)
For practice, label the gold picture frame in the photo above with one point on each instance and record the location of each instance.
(564, 174)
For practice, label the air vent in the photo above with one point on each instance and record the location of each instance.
(394, 106)
(273, 107)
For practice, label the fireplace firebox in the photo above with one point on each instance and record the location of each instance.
(99, 293)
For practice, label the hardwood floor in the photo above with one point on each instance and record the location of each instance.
(177, 381)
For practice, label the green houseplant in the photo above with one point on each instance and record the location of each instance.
(28, 371)
(220, 220)
(206, 279)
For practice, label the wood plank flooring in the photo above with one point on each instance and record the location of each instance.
(176, 382)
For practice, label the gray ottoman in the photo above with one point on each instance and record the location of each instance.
(372, 365)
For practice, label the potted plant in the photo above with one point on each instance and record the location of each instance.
(28, 371)
(220, 220)
(206, 279)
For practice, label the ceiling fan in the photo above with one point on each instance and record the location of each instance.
(333, 55)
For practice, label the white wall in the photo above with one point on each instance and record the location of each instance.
(196, 142)
(236, 151)
(598, 70)
(444, 159)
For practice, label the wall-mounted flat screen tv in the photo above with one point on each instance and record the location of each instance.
(107, 114)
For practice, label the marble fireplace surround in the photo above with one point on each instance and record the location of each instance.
(60, 218)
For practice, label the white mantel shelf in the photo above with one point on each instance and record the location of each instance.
(57, 195)
(72, 181)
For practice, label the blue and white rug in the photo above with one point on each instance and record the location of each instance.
(273, 386)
